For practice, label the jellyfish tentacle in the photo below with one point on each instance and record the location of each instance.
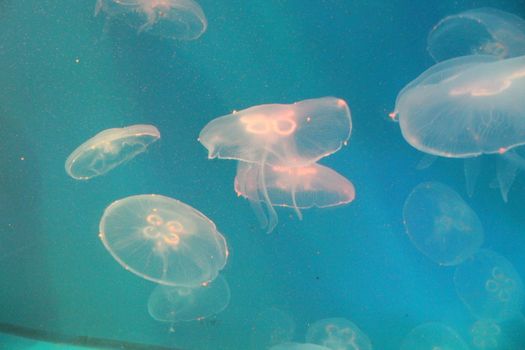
(295, 206)
(272, 215)
(471, 168)
(506, 174)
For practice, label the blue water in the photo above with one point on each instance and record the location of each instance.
(66, 75)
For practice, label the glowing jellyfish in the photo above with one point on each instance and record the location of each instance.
(485, 334)
(298, 346)
(163, 240)
(298, 188)
(271, 327)
(440, 224)
(489, 286)
(176, 304)
(466, 107)
(280, 134)
(338, 334)
(433, 336)
(109, 149)
(485, 31)
(172, 19)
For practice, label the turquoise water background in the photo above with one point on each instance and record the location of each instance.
(66, 75)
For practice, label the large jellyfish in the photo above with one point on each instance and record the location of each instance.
(172, 19)
(176, 304)
(440, 224)
(433, 336)
(295, 187)
(485, 31)
(338, 334)
(163, 240)
(489, 286)
(109, 149)
(466, 107)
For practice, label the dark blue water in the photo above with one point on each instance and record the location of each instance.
(66, 75)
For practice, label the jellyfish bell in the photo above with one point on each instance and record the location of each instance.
(109, 149)
(299, 188)
(280, 134)
(338, 333)
(163, 240)
(298, 346)
(433, 335)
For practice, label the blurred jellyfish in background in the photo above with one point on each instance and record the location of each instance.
(489, 286)
(441, 225)
(433, 336)
(466, 107)
(485, 334)
(176, 304)
(483, 31)
(109, 149)
(294, 187)
(171, 19)
(271, 327)
(338, 334)
(298, 346)
(163, 240)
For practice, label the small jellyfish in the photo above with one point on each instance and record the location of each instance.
(485, 334)
(489, 286)
(483, 31)
(298, 346)
(271, 327)
(338, 334)
(433, 336)
(466, 107)
(109, 149)
(163, 240)
(176, 304)
(280, 134)
(295, 187)
(441, 225)
(172, 19)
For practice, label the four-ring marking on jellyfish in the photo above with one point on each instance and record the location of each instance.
(488, 87)
(166, 234)
(339, 337)
(260, 124)
(500, 285)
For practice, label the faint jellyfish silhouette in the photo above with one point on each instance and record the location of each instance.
(338, 334)
(485, 31)
(466, 107)
(280, 134)
(489, 286)
(109, 149)
(176, 304)
(163, 240)
(299, 188)
(172, 19)
(440, 224)
(271, 327)
(298, 346)
(485, 334)
(433, 336)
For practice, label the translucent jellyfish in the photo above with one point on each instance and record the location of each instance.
(484, 31)
(489, 286)
(485, 334)
(433, 336)
(176, 304)
(338, 334)
(172, 19)
(109, 149)
(163, 240)
(298, 346)
(271, 327)
(280, 134)
(466, 107)
(299, 188)
(440, 224)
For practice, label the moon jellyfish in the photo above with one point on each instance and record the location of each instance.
(484, 31)
(298, 346)
(298, 188)
(338, 334)
(441, 225)
(176, 304)
(172, 19)
(485, 334)
(433, 336)
(163, 240)
(109, 149)
(280, 134)
(489, 286)
(271, 327)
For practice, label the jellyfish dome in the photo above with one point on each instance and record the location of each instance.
(484, 31)
(109, 149)
(441, 225)
(465, 107)
(338, 334)
(163, 240)
(280, 134)
(298, 346)
(490, 287)
(172, 19)
(433, 336)
(176, 304)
